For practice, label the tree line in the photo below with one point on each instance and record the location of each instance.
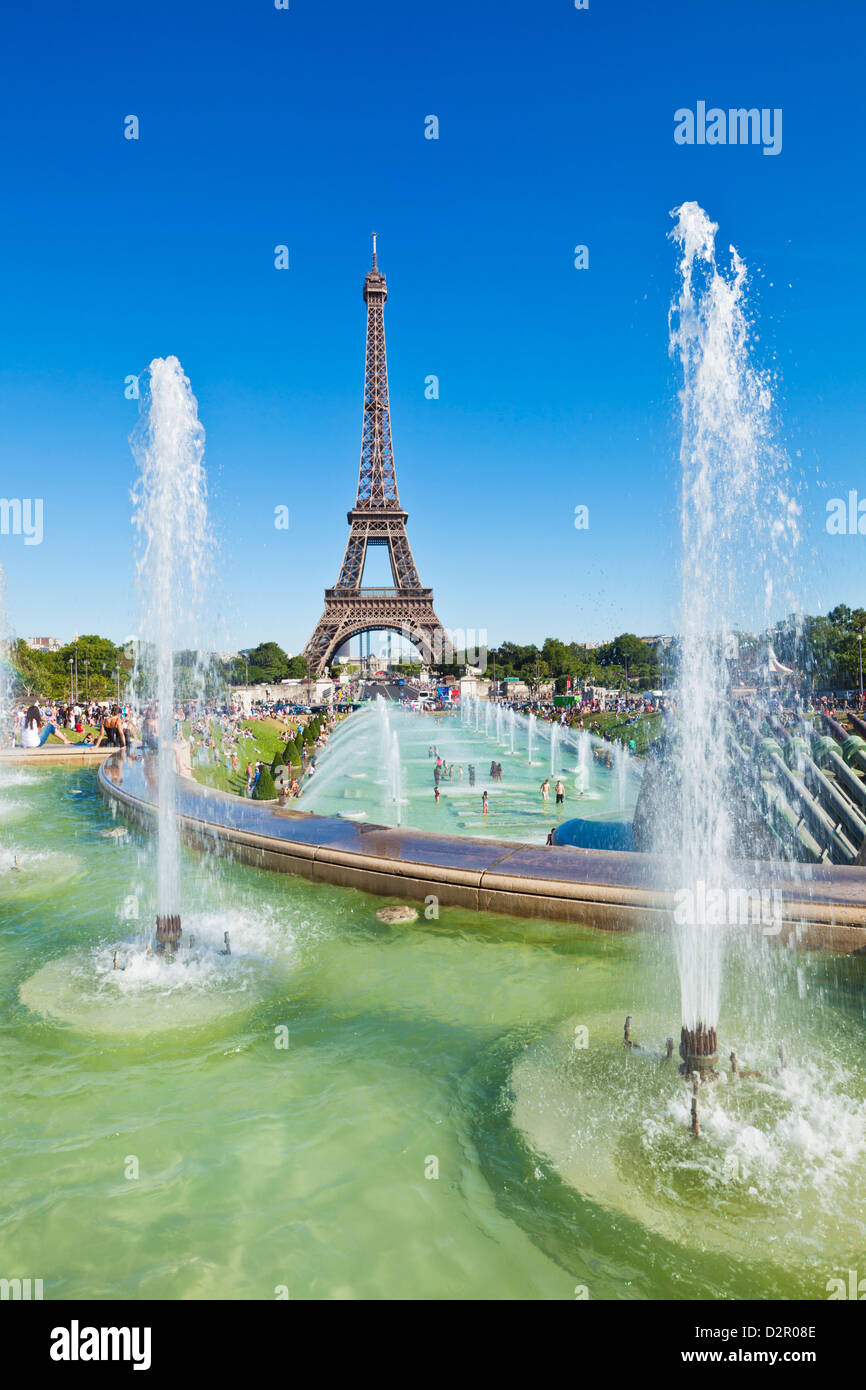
(824, 649)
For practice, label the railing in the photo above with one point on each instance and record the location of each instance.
(377, 593)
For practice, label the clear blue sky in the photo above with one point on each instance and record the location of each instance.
(306, 127)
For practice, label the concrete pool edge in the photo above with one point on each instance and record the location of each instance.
(611, 890)
(55, 753)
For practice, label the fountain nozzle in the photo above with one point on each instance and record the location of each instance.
(699, 1049)
(168, 931)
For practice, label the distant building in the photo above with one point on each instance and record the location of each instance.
(44, 644)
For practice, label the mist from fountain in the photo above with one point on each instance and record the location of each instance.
(170, 497)
(530, 737)
(621, 757)
(584, 753)
(394, 777)
(554, 744)
(734, 509)
(5, 669)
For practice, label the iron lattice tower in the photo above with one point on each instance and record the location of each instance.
(377, 519)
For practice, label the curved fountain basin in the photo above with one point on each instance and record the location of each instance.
(823, 906)
(149, 994)
(777, 1160)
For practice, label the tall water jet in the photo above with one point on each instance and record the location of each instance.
(621, 755)
(170, 497)
(531, 735)
(394, 776)
(554, 744)
(511, 727)
(584, 754)
(731, 494)
(5, 667)
(499, 724)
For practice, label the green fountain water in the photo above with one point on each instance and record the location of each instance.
(160, 1140)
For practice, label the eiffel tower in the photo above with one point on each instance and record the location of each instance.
(377, 519)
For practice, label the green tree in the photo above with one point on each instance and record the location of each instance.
(268, 663)
(265, 789)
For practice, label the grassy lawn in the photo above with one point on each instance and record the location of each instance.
(268, 738)
(645, 732)
(73, 737)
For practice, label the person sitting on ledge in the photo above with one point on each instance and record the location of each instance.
(111, 730)
(36, 731)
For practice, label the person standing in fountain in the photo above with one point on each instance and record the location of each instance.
(472, 774)
(560, 793)
(545, 789)
(484, 805)
(150, 731)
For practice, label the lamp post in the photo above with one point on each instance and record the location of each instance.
(71, 697)
(87, 682)
(117, 677)
(860, 645)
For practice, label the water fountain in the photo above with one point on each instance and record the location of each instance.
(531, 737)
(5, 675)
(511, 722)
(394, 777)
(554, 744)
(499, 724)
(344, 788)
(622, 760)
(584, 754)
(171, 515)
(731, 495)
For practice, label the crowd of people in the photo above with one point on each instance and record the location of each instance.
(202, 736)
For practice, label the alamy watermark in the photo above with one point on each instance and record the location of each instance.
(703, 906)
(846, 516)
(736, 126)
(449, 646)
(22, 516)
(20, 1289)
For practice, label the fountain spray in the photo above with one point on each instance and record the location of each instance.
(5, 668)
(170, 497)
(734, 514)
